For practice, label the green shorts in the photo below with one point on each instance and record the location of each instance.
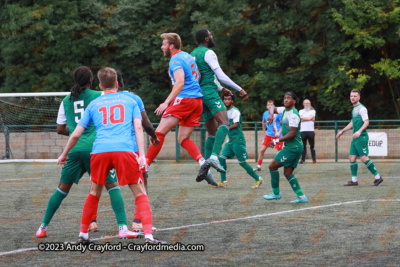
(78, 163)
(212, 104)
(359, 146)
(232, 150)
(289, 157)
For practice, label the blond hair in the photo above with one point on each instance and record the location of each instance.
(173, 39)
(107, 77)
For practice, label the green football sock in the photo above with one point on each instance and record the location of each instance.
(353, 168)
(371, 167)
(117, 204)
(275, 181)
(295, 185)
(223, 130)
(222, 161)
(54, 202)
(250, 170)
(209, 146)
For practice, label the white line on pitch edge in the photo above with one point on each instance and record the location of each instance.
(222, 221)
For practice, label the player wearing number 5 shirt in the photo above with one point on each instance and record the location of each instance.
(183, 105)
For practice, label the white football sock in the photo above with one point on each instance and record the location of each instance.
(149, 237)
(354, 179)
(302, 197)
(377, 176)
(213, 157)
(201, 161)
(123, 228)
(84, 235)
(259, 166)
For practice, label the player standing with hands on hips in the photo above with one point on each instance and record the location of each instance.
(359, 145)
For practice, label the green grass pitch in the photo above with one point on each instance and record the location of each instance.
(341, 226)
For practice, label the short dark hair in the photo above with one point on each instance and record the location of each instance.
(107, 77)
(201, 35)
(356, 91)
(232, 97)
(294, 96)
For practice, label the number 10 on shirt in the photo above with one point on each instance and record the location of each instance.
(119, 109)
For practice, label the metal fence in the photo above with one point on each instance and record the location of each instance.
(42, 142)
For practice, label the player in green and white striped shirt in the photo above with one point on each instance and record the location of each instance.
(359, 145)
(289, 156)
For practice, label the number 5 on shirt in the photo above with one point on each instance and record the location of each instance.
(194, 72)
(120, 109)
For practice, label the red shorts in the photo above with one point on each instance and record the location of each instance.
(124, 163)
(268, 139)
(188, 110)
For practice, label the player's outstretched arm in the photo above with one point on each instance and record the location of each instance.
(149, 129)
(179, 77)
(70, 144)
(63, 129)
(137, 124)
(226, 80)
(290, 135)
(271, 112)
(345, 129)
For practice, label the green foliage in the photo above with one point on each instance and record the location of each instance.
(318, 49)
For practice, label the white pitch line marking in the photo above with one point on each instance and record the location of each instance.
(222, 221)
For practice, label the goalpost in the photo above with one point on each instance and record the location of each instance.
(28, 127)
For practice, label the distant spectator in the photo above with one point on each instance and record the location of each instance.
(307, 116)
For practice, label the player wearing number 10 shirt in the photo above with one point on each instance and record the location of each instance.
(78, 163)
(183, 105)
(115, 116)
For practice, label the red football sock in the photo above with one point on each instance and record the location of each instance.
(94, 217)
(192, 149)
(89, 208)
(259, 162)
(154, 150)
(136, 215)
(144, 211)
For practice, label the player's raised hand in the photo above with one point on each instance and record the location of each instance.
(62, 160)
(160, 110)
(155, 142)
(226, 91)
(243, 94)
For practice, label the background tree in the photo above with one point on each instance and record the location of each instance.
(318, 49)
